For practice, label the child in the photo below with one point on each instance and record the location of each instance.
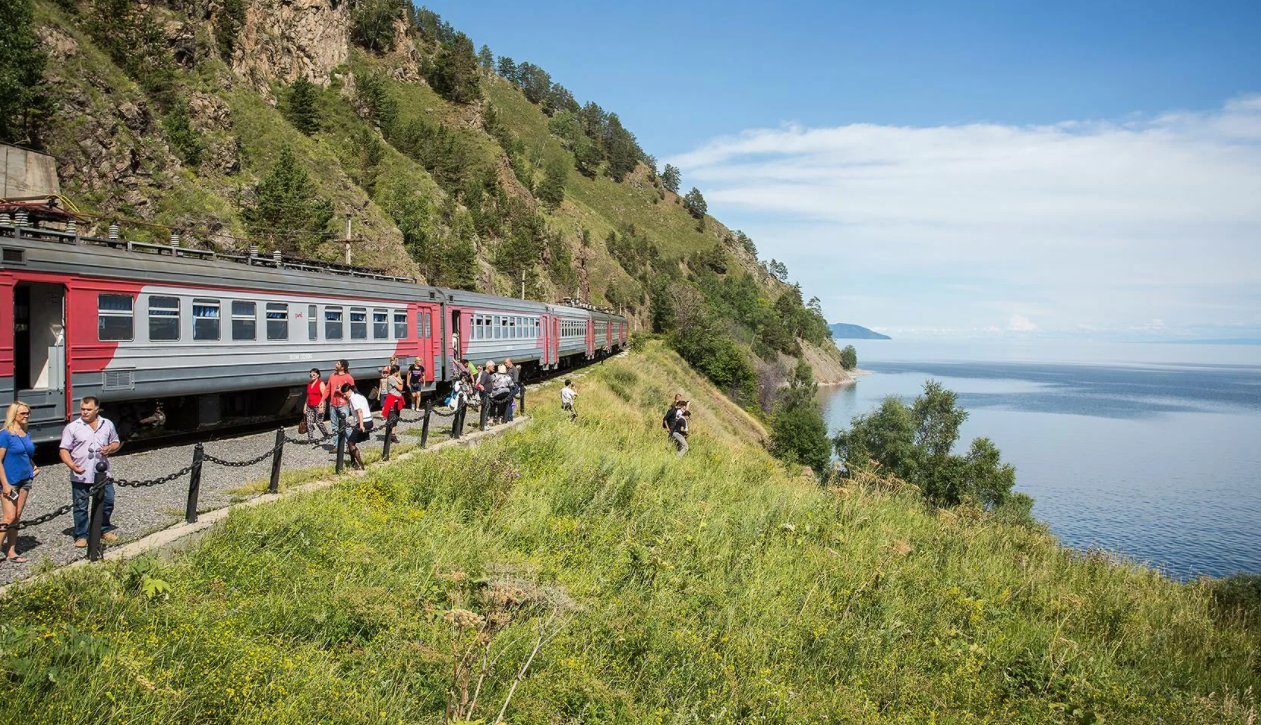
(567, 395)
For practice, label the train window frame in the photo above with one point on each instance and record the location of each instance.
(428, 324)
(332, 323)
(399, 318)
(205, 323)
(164, 314)
(240, 319)
(268, 310)
(363, 333)
(313, 323)
(105, 315)
(380, 327)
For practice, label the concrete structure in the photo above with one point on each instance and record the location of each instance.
(26, 173)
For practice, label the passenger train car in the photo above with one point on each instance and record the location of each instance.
(177, 339)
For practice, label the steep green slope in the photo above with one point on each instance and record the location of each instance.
(713, 587)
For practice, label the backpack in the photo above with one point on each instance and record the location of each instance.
(668, 419)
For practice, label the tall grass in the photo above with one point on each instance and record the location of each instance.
(717, 587)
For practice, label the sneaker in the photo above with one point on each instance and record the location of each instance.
(109, 536)
(80, 543)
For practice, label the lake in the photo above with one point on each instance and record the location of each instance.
(1146, 450)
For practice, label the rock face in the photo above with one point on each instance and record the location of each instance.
(283, 41)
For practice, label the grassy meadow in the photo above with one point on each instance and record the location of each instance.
(582, 573)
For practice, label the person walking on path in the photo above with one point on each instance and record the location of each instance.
(17, 473)
(678, 425)
(567, 396)
(313, 410)
(415, 382)
(86, 441)
(515, 373)
(360, 428)
(338, 404)
(393, 405)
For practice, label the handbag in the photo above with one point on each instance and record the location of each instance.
(302, 426)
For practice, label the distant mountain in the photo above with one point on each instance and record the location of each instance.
(846, 331)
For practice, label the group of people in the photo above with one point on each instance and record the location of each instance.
(675, 422)
(491, 387)
(88, 440)
(348, 410)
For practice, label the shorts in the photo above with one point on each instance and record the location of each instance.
(416, 387)
(359, 436)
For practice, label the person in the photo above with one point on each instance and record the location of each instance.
(461, 367)
(667, 420)
(482, 384)
(17, 472)
(500, 393)
(393, 397)
(313, 410)
(360, 426)
(338, 404)
(567, 396)
(415, 382)
(515, 373)
(679, 425)
(86, 441)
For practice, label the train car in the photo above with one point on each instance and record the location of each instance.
(172, 338)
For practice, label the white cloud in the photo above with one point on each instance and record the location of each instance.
(1105, 225)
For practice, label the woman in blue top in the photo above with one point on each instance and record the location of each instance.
(16, 473)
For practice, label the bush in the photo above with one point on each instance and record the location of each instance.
(849, 357)
(1238, 597)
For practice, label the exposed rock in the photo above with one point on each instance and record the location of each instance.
(182, 40)
(208, 113)
(221, 157)
(59, 44)
(282, 41)
(134, 116)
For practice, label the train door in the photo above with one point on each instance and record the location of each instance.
(454, 344)
(428, 342)
(39, 351)
(555, 341)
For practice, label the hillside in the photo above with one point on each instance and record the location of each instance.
(847, 331)
(716, 587)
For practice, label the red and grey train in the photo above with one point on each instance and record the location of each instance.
(178, 339)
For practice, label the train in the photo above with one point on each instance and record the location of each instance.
(177, 339)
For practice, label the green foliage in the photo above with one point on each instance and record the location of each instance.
(453, 71)
(303, 109)
(507, 68)
(367, 152)
(486, 59)
(798, 432)
(914, 444)
(372, 23)
(1238, 599)
(533, 81)
(778, 270)
(228, 23)
(670, 178)
(373, 96)
(186, 140)
(132, 36)
(286, 212)
(25, 101)
(849, 357)
(552, 191)
(695, 204)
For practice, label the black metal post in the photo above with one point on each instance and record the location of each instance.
(341, 450)
(481, 421)
(194, 485)
(274, 485)
(96, 513)
(424, 427)
(521, 408)
(389, 437)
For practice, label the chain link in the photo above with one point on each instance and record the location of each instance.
(45, 518)
(153, 481)
(242, 464)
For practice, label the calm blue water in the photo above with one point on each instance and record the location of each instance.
(1152, 451)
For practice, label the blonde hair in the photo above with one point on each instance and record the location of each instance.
(11, 423)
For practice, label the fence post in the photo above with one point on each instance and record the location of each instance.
(424, 427)
(96, 513)
(274, 485)
(341, 449)
(194, 485)
(521, 408)
(389, 437)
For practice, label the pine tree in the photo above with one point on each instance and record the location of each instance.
(849, 357)
(287, 212)
(552, 190)
(695, 204)
(507, 69)
(671, 177)
(486, 59)
(452, 73)
(303, 109)
(25, 102)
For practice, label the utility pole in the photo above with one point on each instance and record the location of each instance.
(523, 284)
(347, 239)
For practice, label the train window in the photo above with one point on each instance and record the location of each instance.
(332, 323)
(244, 321)
(400, 324)
(428, 324)
(358, 323)
(312, 323)
(205, 319)
(164, 318)
(380, 324)
(277, 321)
(114, 319)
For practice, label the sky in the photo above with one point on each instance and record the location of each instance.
(949, 169)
